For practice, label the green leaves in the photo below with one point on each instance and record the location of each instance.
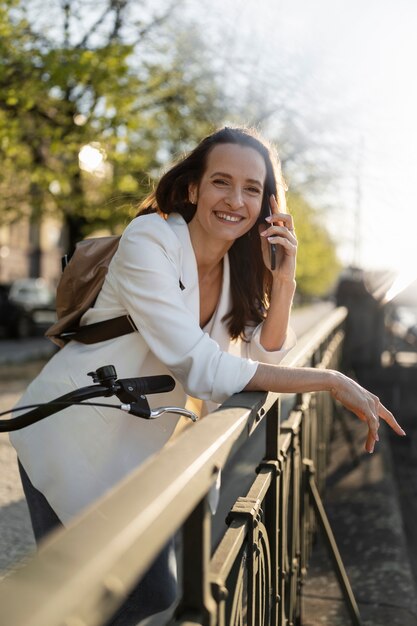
(141, 94)
(317, 262)
(136, 102)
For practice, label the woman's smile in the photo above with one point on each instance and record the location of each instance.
(227, 217)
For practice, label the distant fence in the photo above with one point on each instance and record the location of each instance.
(254, 573)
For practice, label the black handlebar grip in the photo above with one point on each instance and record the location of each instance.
(147, 384)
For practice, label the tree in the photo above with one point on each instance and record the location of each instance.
(107, 84)
(317, 262)
(91, 111)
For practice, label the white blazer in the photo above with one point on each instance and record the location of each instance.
(76, 455)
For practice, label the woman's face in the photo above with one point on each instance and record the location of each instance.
(229, 196)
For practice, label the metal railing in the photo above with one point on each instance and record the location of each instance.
(254, 573)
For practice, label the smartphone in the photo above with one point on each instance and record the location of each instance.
(276, 251)
(272, 250)
(267, 211)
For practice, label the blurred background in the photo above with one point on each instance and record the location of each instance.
(98, 97)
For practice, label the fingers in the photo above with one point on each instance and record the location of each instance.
(370, 443)
(376, 411)
(279, 212)
(275, 209)
(280, 231)
(367, 407)
(282, 236)
(289, 246)
(388, 417)
(373, 437)
(281, 227)
(280, 201)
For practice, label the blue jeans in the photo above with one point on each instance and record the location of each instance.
(155, 592)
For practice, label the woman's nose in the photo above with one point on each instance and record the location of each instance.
(235, 198)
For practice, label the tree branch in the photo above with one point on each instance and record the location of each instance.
(157, 21)
(84, 41)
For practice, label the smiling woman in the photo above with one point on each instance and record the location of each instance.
(194, 275)
(229, 190)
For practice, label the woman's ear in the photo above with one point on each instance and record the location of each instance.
(192, 193)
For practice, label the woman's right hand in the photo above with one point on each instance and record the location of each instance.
(366, 406)
(361, 402)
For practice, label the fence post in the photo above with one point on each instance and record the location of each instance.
(197, 605)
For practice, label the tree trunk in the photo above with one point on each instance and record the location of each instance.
(74, 232)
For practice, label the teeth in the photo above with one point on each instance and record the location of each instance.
(229, 218)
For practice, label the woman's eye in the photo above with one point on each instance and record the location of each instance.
(254, 190)
(219, 181)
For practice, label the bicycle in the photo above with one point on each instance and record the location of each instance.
(130, 391)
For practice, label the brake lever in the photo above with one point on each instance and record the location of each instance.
(173, 409)
(141, 409)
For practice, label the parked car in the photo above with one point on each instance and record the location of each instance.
(37, 298)
(15, 321)
(27, 307)
(31, 293)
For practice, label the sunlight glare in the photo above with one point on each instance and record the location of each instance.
(91, 158)
(405, 278)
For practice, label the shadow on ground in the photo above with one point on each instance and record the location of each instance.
(363, 507)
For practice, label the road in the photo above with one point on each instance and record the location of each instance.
(20, 361)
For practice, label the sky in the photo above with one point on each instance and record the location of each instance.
(360, 64)
(355, 69)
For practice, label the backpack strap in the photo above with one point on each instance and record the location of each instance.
(100, 331)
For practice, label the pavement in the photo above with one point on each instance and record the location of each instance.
(19, 351)
(364, 510)
(20, 361)
(16, 537)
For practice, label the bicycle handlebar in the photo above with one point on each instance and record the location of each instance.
(130, 391)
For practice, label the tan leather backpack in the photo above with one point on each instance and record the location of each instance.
(81, 280)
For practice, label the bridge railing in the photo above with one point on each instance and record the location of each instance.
(254, 572)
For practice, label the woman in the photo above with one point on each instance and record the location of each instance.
(193, 272)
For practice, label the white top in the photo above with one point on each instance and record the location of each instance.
(76, 455)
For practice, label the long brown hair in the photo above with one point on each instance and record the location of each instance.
(249, 278)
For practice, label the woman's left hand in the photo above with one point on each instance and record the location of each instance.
(280, 232)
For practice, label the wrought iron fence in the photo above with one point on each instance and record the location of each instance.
(254, 573)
